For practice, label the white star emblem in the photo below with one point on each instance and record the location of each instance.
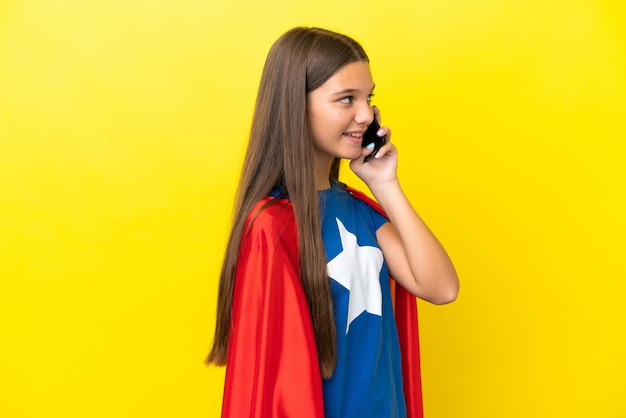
(358, 270)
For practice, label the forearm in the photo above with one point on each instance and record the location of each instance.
(430, 267)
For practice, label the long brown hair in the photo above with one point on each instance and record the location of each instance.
(280, 154)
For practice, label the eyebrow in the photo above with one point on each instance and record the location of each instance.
(350, 91)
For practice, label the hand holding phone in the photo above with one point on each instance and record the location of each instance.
(370, 137)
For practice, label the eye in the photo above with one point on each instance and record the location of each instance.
(346, 100)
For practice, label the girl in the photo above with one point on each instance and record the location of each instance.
(305, 321)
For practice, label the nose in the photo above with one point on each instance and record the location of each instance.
(364, 113)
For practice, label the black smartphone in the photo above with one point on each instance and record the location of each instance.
(370, 137)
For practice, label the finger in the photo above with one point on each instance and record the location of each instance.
(376, 113)
(386, 132)
(367, 150)
(384, 150)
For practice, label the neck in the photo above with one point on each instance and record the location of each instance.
(322, 171)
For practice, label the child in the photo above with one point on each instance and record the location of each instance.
(305, 321)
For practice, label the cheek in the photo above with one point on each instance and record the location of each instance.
(329, 120)
(319, 123)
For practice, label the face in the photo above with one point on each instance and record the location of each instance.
(339, 112)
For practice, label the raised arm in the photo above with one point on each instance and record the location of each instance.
(415, 257)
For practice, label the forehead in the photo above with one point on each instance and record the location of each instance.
(353, 76)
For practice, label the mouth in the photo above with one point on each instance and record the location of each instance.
(355, 137)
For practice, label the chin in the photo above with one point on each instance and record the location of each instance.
(355, 155)
(351, 154)
(348, 156)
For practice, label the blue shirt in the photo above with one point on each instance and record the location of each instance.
(368, 379)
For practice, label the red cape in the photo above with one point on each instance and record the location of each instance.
(272, 369)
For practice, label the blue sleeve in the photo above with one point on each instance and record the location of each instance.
(377, 219)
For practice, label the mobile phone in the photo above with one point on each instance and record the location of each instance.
(370, 137)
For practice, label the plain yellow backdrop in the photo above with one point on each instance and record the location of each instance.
(122, 128)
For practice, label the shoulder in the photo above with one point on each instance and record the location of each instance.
(370, 206)
(272, 220)
(270, 212)
(361, 196)
(269, 243)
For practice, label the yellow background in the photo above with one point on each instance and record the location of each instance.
(122, 127)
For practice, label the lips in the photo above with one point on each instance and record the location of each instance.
(355, 137)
